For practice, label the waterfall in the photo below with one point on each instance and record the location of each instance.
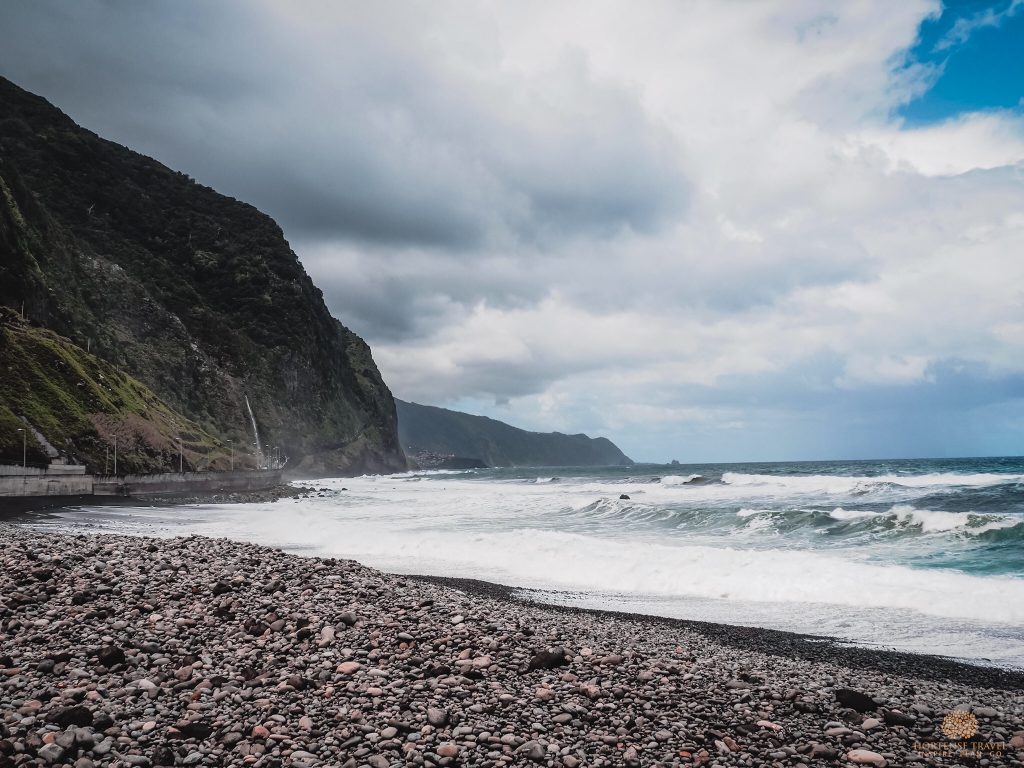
(256, 434)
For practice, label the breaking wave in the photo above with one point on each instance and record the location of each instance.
(828, 542)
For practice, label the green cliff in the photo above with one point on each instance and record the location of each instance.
(195, 295)
(84, 408)
(425, 429)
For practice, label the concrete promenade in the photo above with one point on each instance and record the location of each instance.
(37, 483)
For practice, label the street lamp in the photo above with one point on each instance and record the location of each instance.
(181, 457)
(231, 444)
(115, 455)
(24, 448)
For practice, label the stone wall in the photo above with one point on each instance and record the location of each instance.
(187, 482)
(53, 469)
(17, 469)
(40, 483)
(46, 485)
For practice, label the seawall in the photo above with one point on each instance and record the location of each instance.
(44, 484)
(18, 469)
(59, 484)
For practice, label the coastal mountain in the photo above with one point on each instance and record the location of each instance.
(193, 295)
(445, 437)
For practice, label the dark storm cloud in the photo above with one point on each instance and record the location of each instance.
(408, 294)
(351, 127)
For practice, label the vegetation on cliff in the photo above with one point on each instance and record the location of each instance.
(195, 294)
(428, 429)
(85, 407)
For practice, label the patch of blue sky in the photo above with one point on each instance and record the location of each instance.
(977, 51)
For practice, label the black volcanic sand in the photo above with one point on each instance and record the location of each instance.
(25, 507)
(127, 651)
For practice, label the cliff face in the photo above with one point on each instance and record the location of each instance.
(431, 430)
(195, 294)
(86, 410)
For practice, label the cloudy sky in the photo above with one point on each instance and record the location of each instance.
(709, 230)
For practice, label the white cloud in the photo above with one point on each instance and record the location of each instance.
(874, 370)
(663, 222)
(966, 26)
(820, 228)
(959, 145)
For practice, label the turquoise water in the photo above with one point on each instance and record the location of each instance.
(924, 555)
(961, 514)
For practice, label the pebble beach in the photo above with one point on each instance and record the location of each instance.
(132, 651)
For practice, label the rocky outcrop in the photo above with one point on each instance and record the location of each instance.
(195, 294)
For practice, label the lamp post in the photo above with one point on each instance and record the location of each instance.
(115, 455)
(181, 457)
(231, 444)
(24, 448)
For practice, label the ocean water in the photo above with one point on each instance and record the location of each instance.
(923, 555)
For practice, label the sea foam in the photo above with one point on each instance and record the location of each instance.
(812, 544)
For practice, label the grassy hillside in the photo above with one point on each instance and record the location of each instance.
(427, 429)
(195, 294)
(80, 404)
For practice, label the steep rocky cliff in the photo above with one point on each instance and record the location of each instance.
(426, 429)
(195, 294)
